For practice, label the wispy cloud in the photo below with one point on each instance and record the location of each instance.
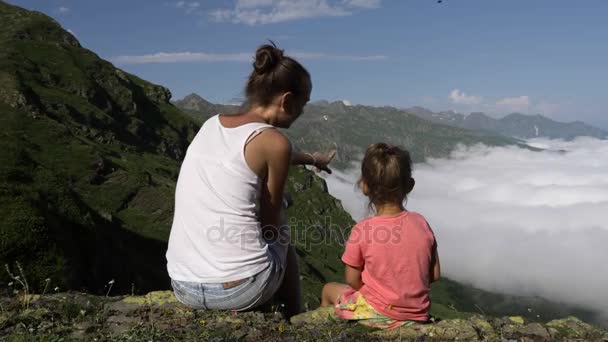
(183, 57)
(203, 57)
(504, 105)
(261, 12)
(514, 104)
(188, 6)
(62, 10)
(362, 3)
(459, 97)
(338, 57)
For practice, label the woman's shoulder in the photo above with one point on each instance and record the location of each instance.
(274, 141)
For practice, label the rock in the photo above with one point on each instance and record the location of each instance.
(120, 324)
(34, 313)
(483, 327)
(409, 333)
(158, 298)
(139, 317)
(158, 94)
(308, 181)
(573, 328)
(82, 329)
(239, 333)
(319, 316)
(454, 329)
(233, 320)
(528, 332)
(517, 319)
(4, 318)
(324, 187)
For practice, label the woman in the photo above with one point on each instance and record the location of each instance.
(229, 248)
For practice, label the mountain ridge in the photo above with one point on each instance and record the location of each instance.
(515, 125)
(351, 128)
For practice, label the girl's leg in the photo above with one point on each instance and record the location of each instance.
(291, 289)
(331, 293)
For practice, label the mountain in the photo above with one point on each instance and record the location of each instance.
(513, 125)
(350, 129)
(89, 159)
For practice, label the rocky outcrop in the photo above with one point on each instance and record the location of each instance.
(159, 316)
(474, 328)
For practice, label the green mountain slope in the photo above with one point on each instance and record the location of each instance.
(89, 160)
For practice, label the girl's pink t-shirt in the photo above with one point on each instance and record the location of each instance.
(395, 253)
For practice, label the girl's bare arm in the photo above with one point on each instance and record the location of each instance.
(435, 267)
(352, 275)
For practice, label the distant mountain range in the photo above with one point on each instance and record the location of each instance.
(350, 129)
(513, 125)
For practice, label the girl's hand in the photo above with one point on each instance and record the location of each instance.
(323, 160)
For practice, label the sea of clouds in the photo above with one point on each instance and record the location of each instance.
(513, 220)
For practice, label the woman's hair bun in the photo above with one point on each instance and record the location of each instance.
(266, 58)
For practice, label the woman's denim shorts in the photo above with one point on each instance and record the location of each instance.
(254, 291)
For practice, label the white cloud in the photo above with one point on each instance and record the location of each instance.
(362, 3)
(329, 56)
(183, 57)
(62, 10)
(347, 103)
(260, 12)
(188, 6)
(189, 57)
(460, 97)
(514, 104)
(515, 221)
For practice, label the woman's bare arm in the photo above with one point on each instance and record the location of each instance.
(316, 159)
(276, 150)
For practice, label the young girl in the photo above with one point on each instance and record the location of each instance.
(391, 258)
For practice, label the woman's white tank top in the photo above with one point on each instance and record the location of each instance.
(216, 235)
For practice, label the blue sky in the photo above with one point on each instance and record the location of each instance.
(497, 56)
